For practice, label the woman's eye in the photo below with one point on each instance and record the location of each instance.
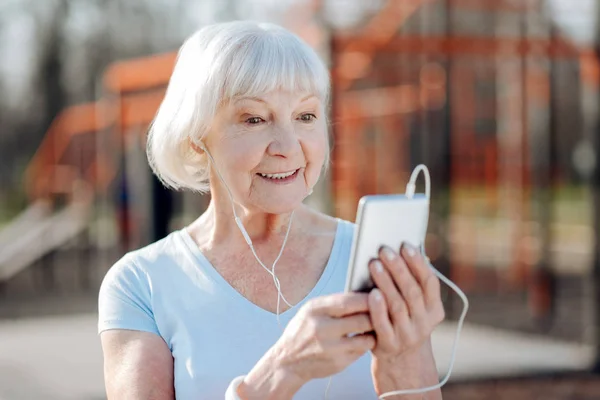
(254, 120)
(307, 117)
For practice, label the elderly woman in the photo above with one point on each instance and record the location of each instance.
(204, 313)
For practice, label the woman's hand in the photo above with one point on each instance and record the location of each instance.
(315, 344)
(404, 310)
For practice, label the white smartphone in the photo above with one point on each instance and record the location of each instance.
(384, 220)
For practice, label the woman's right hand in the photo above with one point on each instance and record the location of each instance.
(315, 344)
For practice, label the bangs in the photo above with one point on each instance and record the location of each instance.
(269, 62)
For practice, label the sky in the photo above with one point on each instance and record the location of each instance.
(576, 18)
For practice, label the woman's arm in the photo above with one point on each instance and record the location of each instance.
(137, 366)
(269, 380)
(315, 344)
(413, 370)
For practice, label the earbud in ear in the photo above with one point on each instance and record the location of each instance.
(198, 144)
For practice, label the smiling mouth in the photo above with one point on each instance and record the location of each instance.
(280, 176)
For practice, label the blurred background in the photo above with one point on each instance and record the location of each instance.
(499, 98)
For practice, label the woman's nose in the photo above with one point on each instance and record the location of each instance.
(285, 142)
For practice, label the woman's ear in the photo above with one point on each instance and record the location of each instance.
(198, 146)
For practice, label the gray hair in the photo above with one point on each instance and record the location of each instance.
(216, 64)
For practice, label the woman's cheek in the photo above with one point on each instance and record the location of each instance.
(317, 149)
(246, 153)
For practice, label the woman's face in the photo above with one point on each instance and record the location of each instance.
(269, 149)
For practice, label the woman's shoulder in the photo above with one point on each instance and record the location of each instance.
(345, 235)
(125, 298)
(143, 261)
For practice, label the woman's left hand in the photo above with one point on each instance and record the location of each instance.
(404, 310)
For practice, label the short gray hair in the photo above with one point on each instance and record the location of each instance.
(218, 63)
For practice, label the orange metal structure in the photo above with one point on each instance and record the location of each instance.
(467, 96)
(388, 88)
(70, 151)
(134, 88)
(373, 100)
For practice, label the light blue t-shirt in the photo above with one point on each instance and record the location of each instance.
(214, 333)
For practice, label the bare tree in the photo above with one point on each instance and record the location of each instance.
(51, 65)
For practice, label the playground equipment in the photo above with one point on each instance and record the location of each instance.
(410, 85)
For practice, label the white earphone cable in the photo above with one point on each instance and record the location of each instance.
(410, 191)
(461, 320)
(249, 241)
(238, 222)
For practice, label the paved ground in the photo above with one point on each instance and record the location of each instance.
(60, 357)
(50, 358)
(577, 386)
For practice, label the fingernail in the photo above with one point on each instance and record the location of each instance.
(410, 250)
(378, 266)
(388, 254)
(376, 294)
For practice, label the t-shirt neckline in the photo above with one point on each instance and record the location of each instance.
(207, 267)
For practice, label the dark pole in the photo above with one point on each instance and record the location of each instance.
(444, 263)
(542, 282)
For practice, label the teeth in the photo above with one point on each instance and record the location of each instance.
(278, 176)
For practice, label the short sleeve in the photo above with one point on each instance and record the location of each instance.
(124, 299)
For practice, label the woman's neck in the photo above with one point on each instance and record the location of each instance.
(217, 225)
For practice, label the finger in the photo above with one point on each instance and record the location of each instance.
(384, 330)
(341, 304)
(358, 343)
(353, 324)
(409, 287)
(395, 304)
(416, 263)
(424, 273)
(433, 295)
